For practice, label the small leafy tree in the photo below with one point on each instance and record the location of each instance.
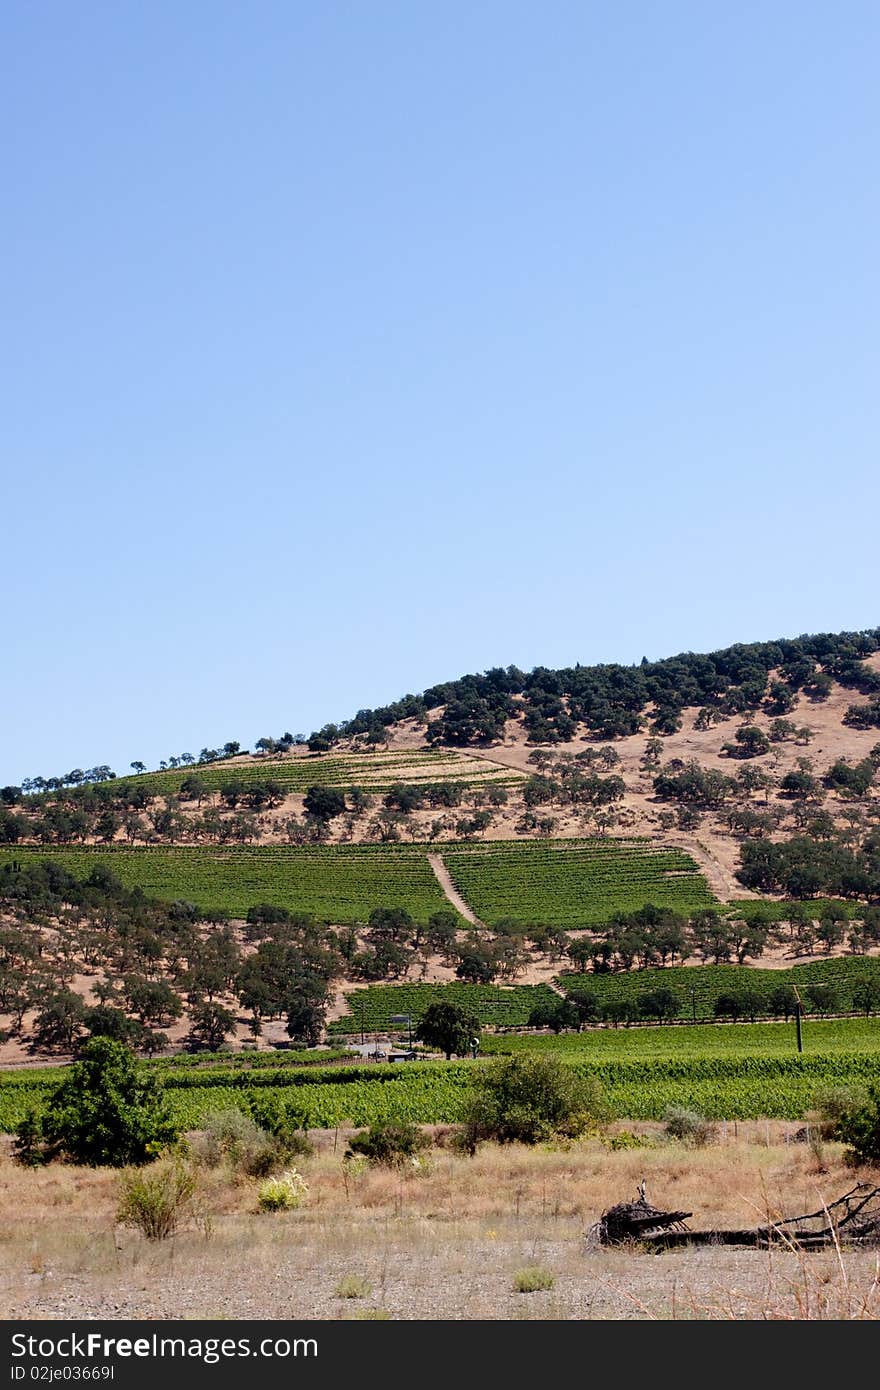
(660, 1004)
(753, 742)
(824, 998)
(449, 1028)
(211, 1024)
(782, 1001)
(324, 802)
(556, 1014)
(477, 964)
(106, 1112)
(60, 1020)
(728, 1006)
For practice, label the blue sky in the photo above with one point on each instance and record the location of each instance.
(350, 347)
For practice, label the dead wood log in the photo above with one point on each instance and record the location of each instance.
(852, 1220)
(635, 1221)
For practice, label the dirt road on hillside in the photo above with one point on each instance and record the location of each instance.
(444, 878)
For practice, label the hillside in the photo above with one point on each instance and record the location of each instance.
(507, 786)
(509, 821)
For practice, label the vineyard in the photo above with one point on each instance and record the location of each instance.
(573, 883)
(755, 1079)
(699, 986)
(375, 772)
(371, 1009)
(337, 884)
(566, 883)
(703, 1040)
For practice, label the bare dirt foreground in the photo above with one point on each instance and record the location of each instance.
(443, 1243)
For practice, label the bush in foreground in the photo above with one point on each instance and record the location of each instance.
(532, 1279)
(258, 1142)
(831, 1106)
(389, 1144)
(530, 1099)
(859, 1128)
(283, 1193)
(106, 1112)
(354, 1286)
(688, 1126)
(156, 1199)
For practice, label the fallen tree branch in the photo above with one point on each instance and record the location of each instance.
(853, 1219)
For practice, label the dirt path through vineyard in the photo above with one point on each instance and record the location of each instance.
(444, 878)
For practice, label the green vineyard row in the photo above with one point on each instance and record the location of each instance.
(372, 771)
(573, 883)
(698, 986)
(371, 1010)
(565, 883)
(819, 1036)
(339, 884)
(736, 1087)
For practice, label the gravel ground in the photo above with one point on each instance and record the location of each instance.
(417, 1271)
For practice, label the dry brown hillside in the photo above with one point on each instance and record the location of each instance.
(508, 762)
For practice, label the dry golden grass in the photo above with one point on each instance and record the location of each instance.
(443, 1243)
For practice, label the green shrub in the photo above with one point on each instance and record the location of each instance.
(859, 1127)
(283, 1193)
(230, 1135)
(688, 1126)
(392, 1144)
(532, 1098)
(831, 1105)
(155, 1199)
(284, 1120)
(107, 1111)
(532, 1279)
(234, 1136)
(625, 1139)
(29, 1147)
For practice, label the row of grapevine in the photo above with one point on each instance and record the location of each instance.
(699, 986)
(370, 1010)
(820, 1035)
(373, 771)
(744, 1086)
(573, 883)
(340, 883)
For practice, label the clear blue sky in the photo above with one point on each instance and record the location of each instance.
(350, 347)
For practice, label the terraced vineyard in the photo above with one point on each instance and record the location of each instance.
(698, 986)
(573, 883)
(370, 1010)
(339, 884)
(375, 772)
